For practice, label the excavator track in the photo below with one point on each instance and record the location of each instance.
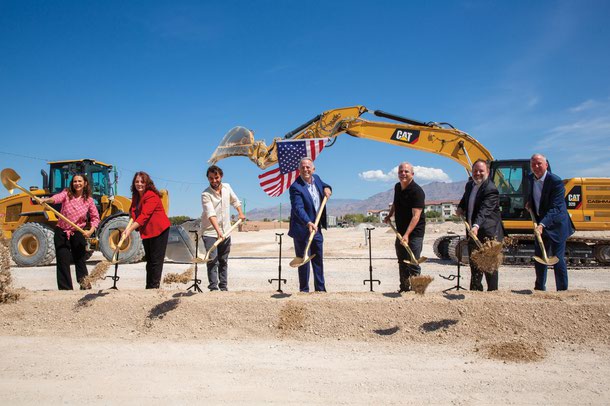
(581, 252)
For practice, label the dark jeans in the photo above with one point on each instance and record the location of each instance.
(219, 263)
(476, 275)
(561, 269)
(406, 270)
(155, 255)
(65, 249)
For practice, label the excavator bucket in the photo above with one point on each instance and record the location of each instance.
(180, 247)
(239, 141)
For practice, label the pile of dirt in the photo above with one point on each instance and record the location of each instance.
(292, 317)
(477, 319)
(7, 293)
(517, 351)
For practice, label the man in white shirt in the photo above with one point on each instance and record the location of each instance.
(216, 201)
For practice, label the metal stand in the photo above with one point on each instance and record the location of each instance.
(279, 267)
(458, 254)
(196, 281)
(115, 278)
(371, 280)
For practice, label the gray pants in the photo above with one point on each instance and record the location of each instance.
(405, 270)
(218, 265)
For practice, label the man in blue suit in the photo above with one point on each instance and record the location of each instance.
(547, 201)
(306, 195)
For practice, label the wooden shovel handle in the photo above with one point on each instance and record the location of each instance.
(219, 240)
(46, 206)
(538, 236)
(402, 242)
(471, 234)
(317, 221)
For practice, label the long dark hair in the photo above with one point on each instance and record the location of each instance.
(86, 187)
(149, 185)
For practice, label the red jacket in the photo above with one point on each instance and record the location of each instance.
(150, 215)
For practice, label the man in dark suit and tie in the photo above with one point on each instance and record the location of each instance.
(306, 195)
(547, 201)
(480, 205)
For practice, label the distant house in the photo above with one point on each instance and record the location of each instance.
(331, 221)
(379, 214)
(447, 208)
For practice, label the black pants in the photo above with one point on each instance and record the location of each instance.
(476, 275)
(154, 248)
(404, 270)
(66, 249)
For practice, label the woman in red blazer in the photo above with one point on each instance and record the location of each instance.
(150, 219)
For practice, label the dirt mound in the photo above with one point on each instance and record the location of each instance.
(7, 293)
(472, 318)
(517, 351)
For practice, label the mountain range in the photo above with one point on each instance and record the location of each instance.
(379, 201)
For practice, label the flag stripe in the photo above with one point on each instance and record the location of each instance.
(276, 181)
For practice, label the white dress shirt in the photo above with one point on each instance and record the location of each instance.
(218, 205)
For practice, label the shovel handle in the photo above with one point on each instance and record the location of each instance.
(402, 242)
(46, 206)
(219, 240)
(313, 233)
(471, 234)
(538, 237)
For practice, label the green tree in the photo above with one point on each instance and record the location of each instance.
(177, 220)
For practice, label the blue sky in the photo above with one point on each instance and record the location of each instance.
(154, 85)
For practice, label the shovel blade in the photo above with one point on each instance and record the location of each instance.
(9, 179)
(298, 261)
(422, 259)
(550, 261)
(406, 261)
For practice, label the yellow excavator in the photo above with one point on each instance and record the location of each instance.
(587, 199)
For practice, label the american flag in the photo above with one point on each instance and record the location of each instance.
(289, 155)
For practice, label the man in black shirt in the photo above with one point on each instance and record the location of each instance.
(408, 209)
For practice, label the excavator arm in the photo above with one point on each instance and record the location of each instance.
(438, 138)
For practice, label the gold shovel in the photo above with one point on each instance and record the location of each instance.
(298, 261)
(206, 258)
(414, 261)
(545, 260)
(10, 178)
(115, 256)
(472, 235)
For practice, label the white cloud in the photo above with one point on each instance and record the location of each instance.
(582, 143)
(423, 175)
(586, 105)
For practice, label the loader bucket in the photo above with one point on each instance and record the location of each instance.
(180, 247)
(239, 141)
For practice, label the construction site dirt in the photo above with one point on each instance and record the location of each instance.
(348, 346)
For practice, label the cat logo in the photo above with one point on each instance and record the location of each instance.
(408, 136)
(574, 198)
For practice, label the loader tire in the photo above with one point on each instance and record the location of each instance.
(32, 245)
(132, 250)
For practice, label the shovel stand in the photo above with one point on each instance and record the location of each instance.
(115, 278)
(458, 276)
(370, 280)
(279, 267)
(196, 281)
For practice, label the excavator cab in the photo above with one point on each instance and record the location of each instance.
(98, 174)
(510, 177)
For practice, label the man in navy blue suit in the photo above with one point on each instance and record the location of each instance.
(306, 195)
(547, 201)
